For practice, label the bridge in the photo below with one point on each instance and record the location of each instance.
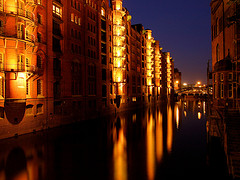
(192, 92)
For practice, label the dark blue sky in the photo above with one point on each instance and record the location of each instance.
(182, 27)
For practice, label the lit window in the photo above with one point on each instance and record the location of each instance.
(221, 77)
(72, 17)
(1, 5)
(57, 10)
(103, 12)
(76, 19)
(39, 2)
(222, 90)
(79, 21)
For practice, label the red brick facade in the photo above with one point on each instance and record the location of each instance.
(65, 61)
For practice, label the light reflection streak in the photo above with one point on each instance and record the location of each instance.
(185, 113)
(120, 154)
(169, 129)
(159, 137)
(150, 149)
(204, 107)
(199, 115)
(177, 115)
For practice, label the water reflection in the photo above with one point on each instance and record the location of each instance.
(150, 147)
(199, 115)
(16, 165)
(177, 114)
(169, 129)
(22, 159)
(159, 136)
(119, 151)
(133, 145)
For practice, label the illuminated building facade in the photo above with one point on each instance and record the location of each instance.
(64, 61)
(225, 53)
(177, 79)
(150, 61)
(167, 74)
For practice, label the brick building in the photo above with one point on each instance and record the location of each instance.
(64, 61)
(177, 80)
(225, 53)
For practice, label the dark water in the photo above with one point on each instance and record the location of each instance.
(168, 141)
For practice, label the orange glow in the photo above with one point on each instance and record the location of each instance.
(120, 155)
(21, 80)
(119, 45)
(177, 115)
(199, 115)
(21, 176)
(159, 138)
(134, 117)
(204, 107)
(169, 129)
(150, 149)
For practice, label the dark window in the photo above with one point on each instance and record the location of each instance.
(56, 90)
(103, 36)
(39, 87)
(56, 28)
(56, 45)
(104, 50)
(104, 59)
(39, 18)
(39, 37)
(103, 25)
(39, 61)
(104, 91)
(104, 75)
(57, 67)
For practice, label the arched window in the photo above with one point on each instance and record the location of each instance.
(39, 61)
(217, 52)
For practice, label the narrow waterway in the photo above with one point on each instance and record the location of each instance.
(164, 142)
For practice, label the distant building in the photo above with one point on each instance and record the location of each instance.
(67, 60)
(225, 53)
(177, 79)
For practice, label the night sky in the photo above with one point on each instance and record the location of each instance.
(182, 27)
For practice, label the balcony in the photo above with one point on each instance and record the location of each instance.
(21, 13)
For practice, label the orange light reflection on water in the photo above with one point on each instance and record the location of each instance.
(159, 137)
(150, 149)
(169, 129)
(120, 155)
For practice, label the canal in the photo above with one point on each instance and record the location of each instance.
(168, 141)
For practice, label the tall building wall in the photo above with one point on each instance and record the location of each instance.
(66, 61)
(225, 53)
